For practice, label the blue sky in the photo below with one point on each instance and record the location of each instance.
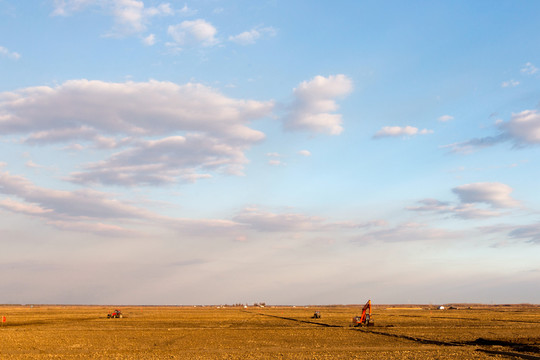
(299, 152)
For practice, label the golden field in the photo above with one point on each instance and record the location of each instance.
(84, 332)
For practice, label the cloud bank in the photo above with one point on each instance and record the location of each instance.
(209, 130)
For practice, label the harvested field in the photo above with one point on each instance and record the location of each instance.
(80, 332)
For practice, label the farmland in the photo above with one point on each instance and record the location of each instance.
(79, 332)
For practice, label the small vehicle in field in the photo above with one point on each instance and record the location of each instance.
(317, 315)
(116, 314)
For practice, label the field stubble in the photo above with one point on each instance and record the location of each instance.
(81, 332)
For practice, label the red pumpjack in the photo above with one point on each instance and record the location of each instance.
(365, 319)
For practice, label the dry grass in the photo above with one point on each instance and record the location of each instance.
(78, 332)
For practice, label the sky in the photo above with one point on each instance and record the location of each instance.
(291, 152)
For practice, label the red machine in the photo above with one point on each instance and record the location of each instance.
(116, 314)
(365, 318)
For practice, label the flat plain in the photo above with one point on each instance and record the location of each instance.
(211, 332)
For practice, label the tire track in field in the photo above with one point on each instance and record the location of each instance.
(414, 339)
(293, 319)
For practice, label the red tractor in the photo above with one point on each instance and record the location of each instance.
(116, 314)
(365, 318)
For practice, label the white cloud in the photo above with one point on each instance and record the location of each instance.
(445, 118)
(492, 193)
(23, 208)
(251, 36)
(167, 160)
(209, 131)
(130, 16)
(274, 159)
(462, 211)
(476, 200)
(523, 129)
(529, 69)
(314, 103)
(81, 210)
(186, 11)
(66, 7)
(191, 33)
(396, 131)
(10, 54)
(149, 40)
(79, 108)
(510, 83)
(304, 153)
(33, 165)
(77, 204)
(101, 213)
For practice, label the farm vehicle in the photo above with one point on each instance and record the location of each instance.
(116, 314)
(364, 319)
(316, 315)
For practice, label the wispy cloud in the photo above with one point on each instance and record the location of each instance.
(523, 129)
(510, 83)
(266, 221)
(149, 40)
(463, 211)
(10, 54)
(445, 118)
(529, 233)
(101, 213)
(398, 131)
(251, 36)
(167, 160)
(529, 69)
(411, 231)
(130, 16)
(476, 200)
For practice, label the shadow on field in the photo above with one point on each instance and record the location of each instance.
(511, 354)
(46, 322)
(512, 346)
(509, 344)
(293, 319)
